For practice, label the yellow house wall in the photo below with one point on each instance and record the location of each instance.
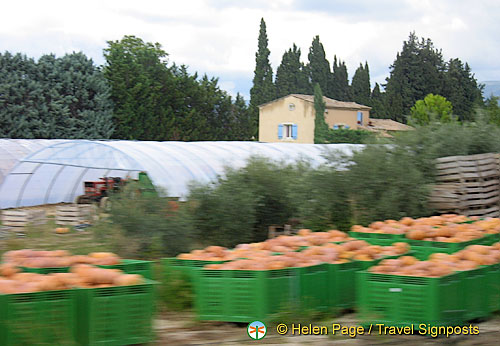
(346, 116)
(273, 114)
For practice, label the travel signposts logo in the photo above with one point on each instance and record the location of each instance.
(256, 330)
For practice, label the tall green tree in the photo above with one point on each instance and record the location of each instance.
(416, 72)
(433, 108)
(377, 101)
(492, 110)
(142, 88)
(263, 89)
(340, 89)
(319, 67)
(65, 97)
(360, 86)
(320, 125)
(461, 89)
(291, 75)
(202, 111)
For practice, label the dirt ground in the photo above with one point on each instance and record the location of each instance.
(182, 329)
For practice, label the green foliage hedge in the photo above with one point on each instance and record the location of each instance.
(385, 180)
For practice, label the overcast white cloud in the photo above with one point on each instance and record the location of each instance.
(219, 37)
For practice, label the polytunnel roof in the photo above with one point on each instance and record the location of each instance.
(13, 150)
(56, 173)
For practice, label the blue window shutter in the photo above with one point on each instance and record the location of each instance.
(360, 118)
(294, 131)
(335, 127)
(346, 127)
(280, 131)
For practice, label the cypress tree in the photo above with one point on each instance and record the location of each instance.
(340, 81)
(263, 89)
(319, 67)
(378, 103)
(320, 125)
(291, 76)
(461, 89)
(360, 86)
(416, 72)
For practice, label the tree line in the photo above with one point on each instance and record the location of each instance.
(139, 95)
(418, 70)
(136, 95)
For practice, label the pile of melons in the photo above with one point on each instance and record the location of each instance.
(280, 244)
(441, 264)
(57, 258)
(80, 276)
(444, 228)
(314, 255)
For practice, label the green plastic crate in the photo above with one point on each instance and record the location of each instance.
(405, 300)
(120, 315)
(128, 266)
(242, 295)
(367, 264)
(45, 270)
(312, 287)
(342, 284)
(493, 287)
(186, 266)
(490, 239)
(382, 239)
(38, 318)
(423, 248)
(144, 268)
(475, 293)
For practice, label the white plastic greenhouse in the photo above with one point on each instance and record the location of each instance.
(13, 150)
(56, 173)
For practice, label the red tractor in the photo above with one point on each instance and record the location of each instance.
(94, 191)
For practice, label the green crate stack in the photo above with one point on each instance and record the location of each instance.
(490, 239)
(186, 266)
(493, 287)
(475, 293)
(128, 266)
(45, 270)
(341, 284)
(423, 248)
(242, 295)
(405, 300)
(144, 268)
(312, 283)
(121, 315)
(367, 264)
(382, 239)
(46, 318)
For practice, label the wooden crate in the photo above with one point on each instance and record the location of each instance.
(23, 217)
(74, 214)
(467, 168)
(468, 185)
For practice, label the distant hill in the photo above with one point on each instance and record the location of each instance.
(491, 87)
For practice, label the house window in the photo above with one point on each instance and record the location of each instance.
(360, 118)
(291, 107)
(287, 131)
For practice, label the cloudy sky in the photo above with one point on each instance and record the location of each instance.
(219, 37)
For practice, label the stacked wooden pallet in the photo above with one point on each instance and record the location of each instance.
(74, 214)
(468, 185)
(20, 218)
